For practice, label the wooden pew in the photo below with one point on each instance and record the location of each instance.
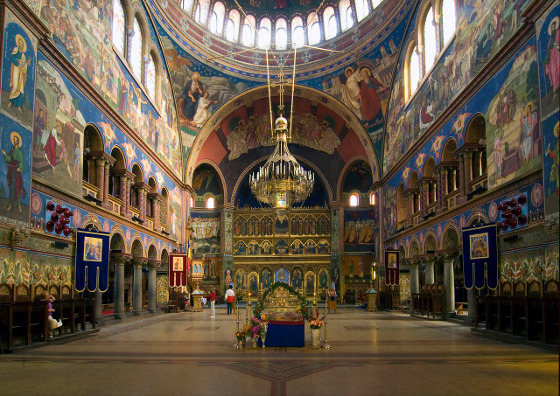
(550, 312)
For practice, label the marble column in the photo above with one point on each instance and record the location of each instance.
(137, 286)
(119, 287)
(462, 177)
(106, 185)
(471, 301)
(142, 202)
(429, 272)
(152, 288)
(124, 194)
(424, 192)
(448, 284)
(91, 171)
(156, 213)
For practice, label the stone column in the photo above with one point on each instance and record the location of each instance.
(462, 178)
(100, 182)
(424, 193)
(429, 272)
(409, 204)
(119, 287)
(448, 284)
(137, 286)
(157, 203)
(152, 287)
(414, 279)
(98, 306)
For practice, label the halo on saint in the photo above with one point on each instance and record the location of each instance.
(554, 20)
(20, 37)
(15, 134)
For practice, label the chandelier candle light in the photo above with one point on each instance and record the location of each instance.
(281, 181)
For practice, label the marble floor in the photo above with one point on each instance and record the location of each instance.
(187, 353)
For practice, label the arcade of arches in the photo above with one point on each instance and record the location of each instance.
(419, 119)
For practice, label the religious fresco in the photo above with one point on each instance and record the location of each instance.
(58, 130)
(79, 32)
(548, 43)
(514, 138)
(361, 230)
(482, 29)
(357, 267)
(15, 172)
(206, 181)
(206, 233)
(18, 75)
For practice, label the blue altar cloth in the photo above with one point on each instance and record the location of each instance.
(285, 334)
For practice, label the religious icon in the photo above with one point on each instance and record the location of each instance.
(281, 200)
(392, 260)
(92, 248)
(178, 264)
(479, 245)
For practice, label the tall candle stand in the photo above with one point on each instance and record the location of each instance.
(326, 343)
(237, 343)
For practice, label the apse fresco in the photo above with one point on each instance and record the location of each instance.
(361, 230)
(18, 74)
(483, 28)
(549, 70)
(206, 232)
(79, 33)
(206, 181)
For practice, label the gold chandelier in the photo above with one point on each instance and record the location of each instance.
(281, 181)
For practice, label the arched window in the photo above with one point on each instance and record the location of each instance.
(430, 43)
(201, 11)
(376, 3)
(362, 8)
(232, 26)
(372, 198)
(217, 18)
(210, 203)
(187, 6)
(314, 29)
(150, 77)
(298, 36)
(414, 71)
(119, 23)
(136, 49)
(281, 36)
(264, 33)
(448, 19)
(345, 11)
(248, 35)
(191, 202)
(330, 23)
(354, 199)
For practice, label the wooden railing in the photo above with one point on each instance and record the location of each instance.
(429, 301)
(115, 204)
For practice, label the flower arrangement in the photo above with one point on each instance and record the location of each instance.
(255, 327)
(316, 324)
(240, 335)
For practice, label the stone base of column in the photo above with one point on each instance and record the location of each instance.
(137, 313)
(151, 310)
(100, 322)
(119, 315)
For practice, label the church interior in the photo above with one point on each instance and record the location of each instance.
(397, 159)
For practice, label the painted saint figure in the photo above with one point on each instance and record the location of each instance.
(192, 92)
(528, 125)
(350, 86)
(202, 113)
(552, 57)
(51, 143)
(39, 130)
(14, 160)
(18, 73)
(369, 101)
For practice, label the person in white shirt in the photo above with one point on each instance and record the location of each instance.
(229, 299)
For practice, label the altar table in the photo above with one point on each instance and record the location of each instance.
(282, 333)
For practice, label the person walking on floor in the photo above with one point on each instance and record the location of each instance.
(229, 299)
(212, 297)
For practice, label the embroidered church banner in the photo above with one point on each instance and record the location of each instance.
(92, 260)
(480, 256)
(178, 270)
(391, 267)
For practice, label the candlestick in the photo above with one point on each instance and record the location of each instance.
(326, 343)
(237, 343)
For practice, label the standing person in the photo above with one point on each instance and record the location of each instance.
(212, 297)
(52, 323)
(229, 299)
